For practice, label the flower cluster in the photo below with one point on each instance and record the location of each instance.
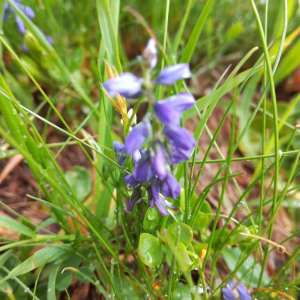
(168, 142)
(228, 292)
(27, 11)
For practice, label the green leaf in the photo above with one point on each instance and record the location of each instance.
(108, 33)
(248, 272)
(182, 292)
(150, 250)
(80, 181)
(203, 218)
(39, 258)
(219, 239)
(183, 260)
(5, 256)
(181, 230)
(12, 224)
(85, 275)
(152, 219)
(51, 294)
(194, 37)
(236, 237)
(63, 280)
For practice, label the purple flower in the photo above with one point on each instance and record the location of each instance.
(49, 38)
(170, 187)
(159, 161)
(179, 102)
(137, 137)
(25, 9)
(119, 147)
(155, 198)
(150, 54)
(127, 85)
(136, 156)
(243, 293)
(228, 292)
(179, 155)
(171, 74)
(166, 114)
(144, 171)
(180, 137)
(129, 179)
(121, 160)
(20, 25)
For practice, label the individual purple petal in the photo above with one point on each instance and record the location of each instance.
(25, 47)
(121, 160)
(153, 192)
(130, 179)
(49, 38)
(6, 13)
(136, 156)
(144, 171)
(159, 161)
(170, 187)
(166, 114)
(171, 74)
(26, 10)
(150, 54)
(228, 294)
(127, 85)
(119, 147)
(137, 137)
(180, 137)
(243, 293)
(179, 155)
(20, 25)
(135, 197)
(161, 205)
(179, 102)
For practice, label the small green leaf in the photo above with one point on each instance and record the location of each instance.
(150, 250)
(182, 292)
(203, 217)
(182, 230)
(80, 181)
(152, 219)
(219, 238)
(12, 224)
(236, 237)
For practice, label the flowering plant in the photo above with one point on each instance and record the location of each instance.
(167, 142)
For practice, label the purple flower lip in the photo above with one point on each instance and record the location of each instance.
(129, 179)
(144, 171)
(166, 114)
(170, 187)
(179, 155)
(171, 74)
(179, 102)
(127, 85)
(137, 137)
(180, 137)
(159, 161)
